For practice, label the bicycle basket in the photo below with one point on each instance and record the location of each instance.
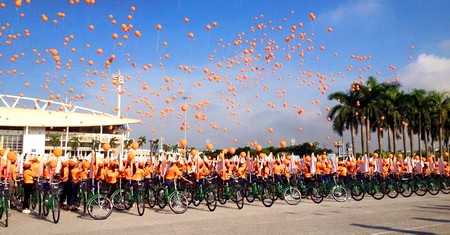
(56, 189)
(104, 188)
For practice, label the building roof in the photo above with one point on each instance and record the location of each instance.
(51, 118)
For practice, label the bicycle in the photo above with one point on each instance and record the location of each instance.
(286, 192)
(99, 206)
(259, 188)
(51, 200)
(36, 196)
(312, 188)
(231, 190)
(132, 195)
(204, 191)
(4, 202)
(18, 192)
(177, 201)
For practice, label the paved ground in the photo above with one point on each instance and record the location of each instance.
(414, 215)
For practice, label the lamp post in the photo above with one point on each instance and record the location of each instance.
(185, 125)
(338, 145)
(119, 78)
(185, 118)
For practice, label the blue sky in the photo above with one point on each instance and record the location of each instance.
(243, 94)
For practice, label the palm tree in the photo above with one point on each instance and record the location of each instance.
(141, 141)
(95, 144)
(166, 147)
(344, 115)
(75, 143)
(55, 140)
(127, 143)
(440, 111)
(422, 104)
(112, 142)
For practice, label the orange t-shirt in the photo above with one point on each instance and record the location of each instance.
(148, 170)
(100, 174)
(28, 176)
(241, 172)
(277, 169)
(75, 173)
(139, 174)
(173, 172)
(111, 176)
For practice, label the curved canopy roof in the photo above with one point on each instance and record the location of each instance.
(51, 118)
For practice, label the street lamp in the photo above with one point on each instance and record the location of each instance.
(185, 117)
(119, 78)
(338, 145)
(185, 123)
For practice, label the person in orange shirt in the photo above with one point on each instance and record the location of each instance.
(74, 178)
(174, 173)
(28, 184)
(11, 176)
(100, 173)
(278, 170)
(148, 169)
(112, 173)
(139, 172)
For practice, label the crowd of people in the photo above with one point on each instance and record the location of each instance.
(174, 166)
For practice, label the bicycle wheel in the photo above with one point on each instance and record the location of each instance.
(55, 208)
(33, 201)
(316, 193)
(405, 189)
(84, 198)
(376, 192)
(18, 193)
(99, 207)
(140, 202)
(196, 198)
(444, 186)
(339, 193)
(433, 187)
(292, 195)
(6, 211)
(221, 195)
(267, 198)
(357, 192)
(46, 205)
(249, 196)
(160, 198)
(178, 203)
(117, 199)
(151, 197)
(2, 206)
(420, 188)
(238, 197)
(211, 200)
(391, 190)
(128, 198)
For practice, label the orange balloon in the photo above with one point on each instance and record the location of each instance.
(158, 27)
(183, 143)
(282, 143)
(209, 147)
(232, 150)
(184, 108)
(57, 152)
(191, 35)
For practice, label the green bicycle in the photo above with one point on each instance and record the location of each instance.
(177, 201)
(51, 201)
(4, 203)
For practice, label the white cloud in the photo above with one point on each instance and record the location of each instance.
(363, 9)
(428, 72)
(445, 44)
